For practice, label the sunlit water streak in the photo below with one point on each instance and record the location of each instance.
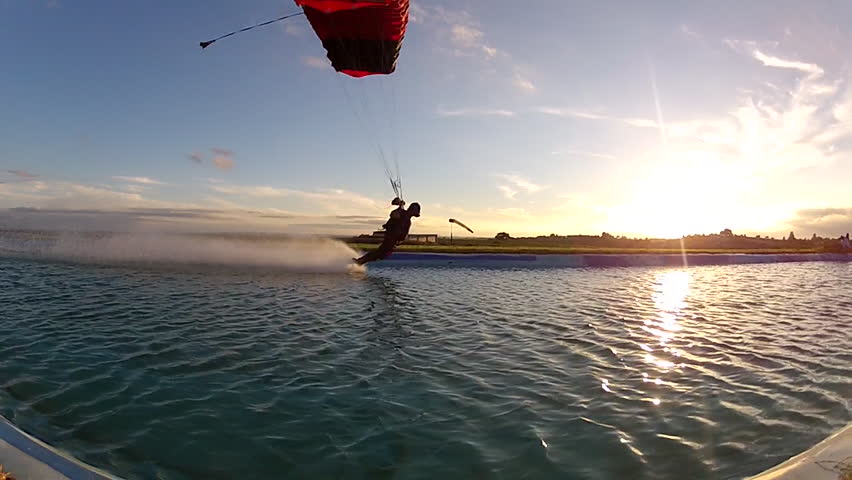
(640, 373)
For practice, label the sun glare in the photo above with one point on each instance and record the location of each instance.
(669, 297)
(691, 192)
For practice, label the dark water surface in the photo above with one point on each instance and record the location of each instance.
(639, 373)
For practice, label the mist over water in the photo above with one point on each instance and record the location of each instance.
(306, 254)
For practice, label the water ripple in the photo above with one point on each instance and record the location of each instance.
(641, 373)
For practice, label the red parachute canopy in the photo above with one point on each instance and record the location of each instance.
(362, 37)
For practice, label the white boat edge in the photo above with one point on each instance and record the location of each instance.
(819, 462)
(28, 458)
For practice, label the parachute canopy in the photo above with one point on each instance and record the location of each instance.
(362, 37)
(453, 220)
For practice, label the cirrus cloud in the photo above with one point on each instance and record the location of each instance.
(139, 180)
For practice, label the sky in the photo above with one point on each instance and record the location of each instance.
(646, 119)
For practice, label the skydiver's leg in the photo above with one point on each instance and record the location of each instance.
(384, 251)
(368, 257)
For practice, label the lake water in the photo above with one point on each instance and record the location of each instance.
(181, 372)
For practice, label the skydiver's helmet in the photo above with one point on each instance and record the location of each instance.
(414, 209)
(397, 201)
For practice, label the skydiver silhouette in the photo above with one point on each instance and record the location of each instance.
(396, 230)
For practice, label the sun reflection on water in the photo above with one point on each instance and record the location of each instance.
(669, 296)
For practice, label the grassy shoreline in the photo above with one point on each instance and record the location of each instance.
(534, 250)
(577, 245)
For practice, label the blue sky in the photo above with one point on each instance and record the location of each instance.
(636, 118)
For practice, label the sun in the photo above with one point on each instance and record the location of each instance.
(690, 193)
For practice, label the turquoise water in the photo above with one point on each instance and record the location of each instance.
(185, 372)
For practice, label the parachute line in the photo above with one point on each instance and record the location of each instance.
(365, 116)
(366, 107)
(285, 17)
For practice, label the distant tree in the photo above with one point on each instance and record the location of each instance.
(726, 233)
(606, 236)
(502, 236)
(814, 238)
(791, 237)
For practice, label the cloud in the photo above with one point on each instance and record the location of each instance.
(223, 159)
(72, 206)
(523, 183)
(475, 112)
(523, 83)
(575, 203)
(518, 184)
(746, 154)
(688, 31)
(565, 112)
(183, 220)
(581, 153)
(639, 122)
(489, 51)
(825, 222)
(512, 212)
(256, 192)
(135, 188)
(508, 191)
(466, 36)
(69, 205)
(771, 61)
(747, 47)
(222, 151)
(770, 131)
(416, 13)
(316, 62)
(69, 195)
(22, 174)
(139, 180)
(572, 113)
(457, 33)
(335, 201)
(84, 196)
(469, 40)
(14, 194)
(785, 130)
(223, 163)
(457, 26)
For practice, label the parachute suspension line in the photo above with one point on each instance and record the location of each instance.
(374, 125)
(393, 175)
(365, 116)
(391, 118)
(361, 117)
(285, 17)
(394, 128)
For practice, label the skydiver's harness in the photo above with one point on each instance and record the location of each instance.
(395, 215)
